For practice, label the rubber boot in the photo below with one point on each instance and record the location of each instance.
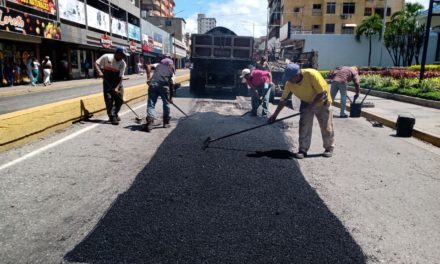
(149, 125)
(166, 122)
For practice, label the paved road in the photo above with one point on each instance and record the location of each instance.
(97, 193)
(23, 101)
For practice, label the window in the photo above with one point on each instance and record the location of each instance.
(347, 30)
(316, 29)
(368, 11)
(296, 9)
(317, 7)
(331, 7)
(329, 28)
(379, 11)
(348, 8)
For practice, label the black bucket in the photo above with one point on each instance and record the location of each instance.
(355, 109)
(405, 124)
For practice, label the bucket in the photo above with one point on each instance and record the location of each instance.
(355, 109)
(405, 124)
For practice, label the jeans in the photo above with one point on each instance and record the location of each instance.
(334, 91)
(154, 91)
(255, 100)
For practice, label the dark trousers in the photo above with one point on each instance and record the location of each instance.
(113, 102)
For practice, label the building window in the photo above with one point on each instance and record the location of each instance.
(331, 8)
(329, 28)
(296, 9)
(368, 11)
(379, 11)
(347, 30)
(316, 29)
(348, 8)
(316, 10)
(317, 7)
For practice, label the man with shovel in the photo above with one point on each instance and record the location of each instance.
(160, 84)
(339, 79)
(312, 89)
(259, 82)
(113, 66)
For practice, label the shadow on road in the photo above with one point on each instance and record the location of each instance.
(217, 206)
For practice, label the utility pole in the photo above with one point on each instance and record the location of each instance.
(382, 41)
(426, 40)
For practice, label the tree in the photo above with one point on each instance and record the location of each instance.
(404, 35)
(369, 27)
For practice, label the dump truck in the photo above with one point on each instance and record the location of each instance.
(218, 57)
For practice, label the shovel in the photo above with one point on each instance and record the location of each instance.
(209, 140)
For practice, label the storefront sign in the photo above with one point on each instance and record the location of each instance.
(158, 46)
(47, 6)
(23, 23)
(98, 19)
(72, 10)
(134, 32)
(119, 27)
(147, 43)
(106, 41)
(133, 47)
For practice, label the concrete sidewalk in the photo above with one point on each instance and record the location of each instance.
(386, 111)
(58, 85)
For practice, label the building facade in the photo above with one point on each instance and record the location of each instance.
(72, 33)
(326, 17)
(205, 24)
(158, 8)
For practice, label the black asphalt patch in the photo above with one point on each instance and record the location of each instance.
(219, 205)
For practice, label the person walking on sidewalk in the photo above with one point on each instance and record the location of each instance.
(47, 70)
(35, 70)
(113, 66)
(311, 88)
(259, 82)
(339, 79)
(160, 84)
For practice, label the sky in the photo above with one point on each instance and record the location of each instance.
(247, 18)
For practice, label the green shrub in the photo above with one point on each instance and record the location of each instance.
(431, 84)
(324, 74)
(374, 81)
(432, 95)
(430, 67)
(407, 83)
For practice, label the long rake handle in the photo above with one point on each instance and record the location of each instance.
(119, 96)
(252, 128)
(178, 108)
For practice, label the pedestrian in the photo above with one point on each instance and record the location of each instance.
(86, 69)
(262, 64)
(64, 67)
(47, 70)
(160, 84)
(313, 91)
(113, 66)
(35, 70)
(8, 72)
(259, 83)
(339, 79)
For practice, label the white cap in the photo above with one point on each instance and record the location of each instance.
(244, 72)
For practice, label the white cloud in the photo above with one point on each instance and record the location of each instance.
(244, 18)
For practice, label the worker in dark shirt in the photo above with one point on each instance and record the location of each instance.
(160, 84)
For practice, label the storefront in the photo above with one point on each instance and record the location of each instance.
(20, 37)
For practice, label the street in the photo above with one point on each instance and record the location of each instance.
(97, 193)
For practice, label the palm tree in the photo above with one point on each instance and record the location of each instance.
(369, 27)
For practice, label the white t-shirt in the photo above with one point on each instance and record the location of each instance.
(109, 63)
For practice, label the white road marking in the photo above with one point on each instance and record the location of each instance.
(56, 143)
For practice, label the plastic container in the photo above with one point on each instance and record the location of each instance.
(405, 124)
(355, 109)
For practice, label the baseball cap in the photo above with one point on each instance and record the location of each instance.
(122, 50)
(291, 71)
(167, 61)
(244, 72)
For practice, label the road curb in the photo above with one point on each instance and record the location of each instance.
(27, 125)
(417, 133)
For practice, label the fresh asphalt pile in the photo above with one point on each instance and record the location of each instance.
(238, 201)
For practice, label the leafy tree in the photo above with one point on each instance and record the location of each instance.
(369, 27)
(404, 35)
